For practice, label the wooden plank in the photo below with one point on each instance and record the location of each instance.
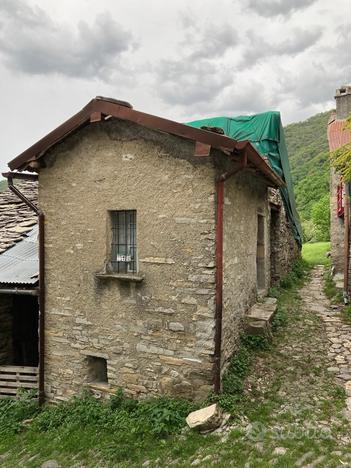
(17, 384)
(31, 378)
(6, 391)
(24, 369)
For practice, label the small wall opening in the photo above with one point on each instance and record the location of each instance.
(260, 254)
(97, 370)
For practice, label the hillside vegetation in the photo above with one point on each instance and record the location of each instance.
(309, 160)
(3, 185)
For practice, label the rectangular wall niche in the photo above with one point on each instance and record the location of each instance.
(97, 370)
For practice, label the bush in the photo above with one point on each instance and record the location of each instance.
(157, 417)
(14, 411)
(297, 273)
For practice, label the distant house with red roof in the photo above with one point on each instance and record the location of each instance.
(338, 136)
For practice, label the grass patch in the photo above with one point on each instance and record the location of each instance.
(233, 392)
(275, 391)
(121, 429)
(315, 253)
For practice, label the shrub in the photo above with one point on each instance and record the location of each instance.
(157, 417)
(14, 411)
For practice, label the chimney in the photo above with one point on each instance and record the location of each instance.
(343, 102)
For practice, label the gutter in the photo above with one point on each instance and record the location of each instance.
(346, 243)
(20, 292)
(41, 221)
(220, 180)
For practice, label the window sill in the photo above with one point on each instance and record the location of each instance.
(129, 277)
(102, 387)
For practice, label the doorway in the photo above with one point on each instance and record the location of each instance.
(25, 331)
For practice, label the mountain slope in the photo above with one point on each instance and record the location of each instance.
(309, 160)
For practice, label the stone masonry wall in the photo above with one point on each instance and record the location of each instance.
(284, 248)
(336, 226)
(245, 199)
(157, 335)
(6, 351)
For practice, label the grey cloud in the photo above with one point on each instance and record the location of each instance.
(299, 40)
(244, 97)
(197, 75)
(188, 82)
(206, 41)
(331, 67)
(30, 41)
(269, 8)
(215, 42)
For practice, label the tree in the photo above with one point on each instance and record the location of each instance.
(320, 216)
(341, 158)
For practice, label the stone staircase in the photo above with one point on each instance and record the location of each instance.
(258, 320)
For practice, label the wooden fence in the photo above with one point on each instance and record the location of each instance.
(15, 378)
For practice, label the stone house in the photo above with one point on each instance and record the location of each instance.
(158, 238)
(339, 194)
(19, 309)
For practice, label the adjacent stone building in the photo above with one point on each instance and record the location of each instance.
(158, 238)
(18, 288)
(338, 137)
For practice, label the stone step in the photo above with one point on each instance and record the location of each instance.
(259, 318)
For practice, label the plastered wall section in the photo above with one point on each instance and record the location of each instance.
(157, 335)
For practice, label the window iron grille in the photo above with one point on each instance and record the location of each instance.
(124, 247)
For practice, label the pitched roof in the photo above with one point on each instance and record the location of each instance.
(337, 135)
(20, 263)
(100, 108)
(16, 219)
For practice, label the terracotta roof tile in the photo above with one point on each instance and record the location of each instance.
(337, 136)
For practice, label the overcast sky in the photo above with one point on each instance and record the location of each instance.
(182, 59)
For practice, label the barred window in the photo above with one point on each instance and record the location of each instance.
(124, 248)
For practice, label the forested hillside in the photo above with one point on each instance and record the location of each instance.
(3, 185)
(309, 160)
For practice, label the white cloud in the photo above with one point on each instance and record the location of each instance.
(175, 59)
(33, 43)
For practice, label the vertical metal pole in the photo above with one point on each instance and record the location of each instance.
(41, 309)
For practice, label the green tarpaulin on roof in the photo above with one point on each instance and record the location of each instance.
(266, 133)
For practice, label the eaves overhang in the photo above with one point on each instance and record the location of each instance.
(100, 108)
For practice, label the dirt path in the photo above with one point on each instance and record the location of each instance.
(337, 331)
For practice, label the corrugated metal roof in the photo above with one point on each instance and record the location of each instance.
(20, 264)
(337, 135)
